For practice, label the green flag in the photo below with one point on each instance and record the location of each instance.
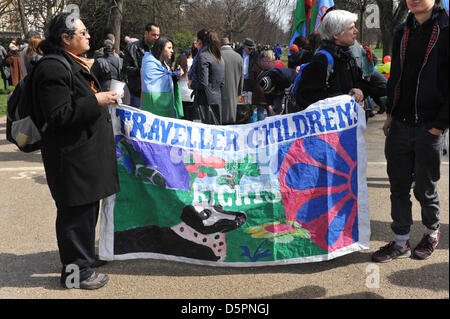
(300, 17)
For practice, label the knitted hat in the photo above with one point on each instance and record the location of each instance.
(293, 49)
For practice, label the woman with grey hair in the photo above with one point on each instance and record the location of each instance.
(338, 33)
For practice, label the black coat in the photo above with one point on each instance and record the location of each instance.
(78, 148)
(301, 57)
(430, 97)
(132, 63)
(346, 76)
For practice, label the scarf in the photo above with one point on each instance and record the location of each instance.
(85, 63)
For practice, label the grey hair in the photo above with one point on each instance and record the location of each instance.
(335, 22)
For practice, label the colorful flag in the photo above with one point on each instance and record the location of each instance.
(299, 22)
(159, 94)
(318, 10)
(445, 2)
(289, 189)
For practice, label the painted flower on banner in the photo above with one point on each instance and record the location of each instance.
(279, 232)
(319, 184)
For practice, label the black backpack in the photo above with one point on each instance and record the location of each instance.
(20, 127)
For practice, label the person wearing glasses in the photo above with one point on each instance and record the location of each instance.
(78, 148)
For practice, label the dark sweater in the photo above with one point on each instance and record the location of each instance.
(418, 91)
(415, 55)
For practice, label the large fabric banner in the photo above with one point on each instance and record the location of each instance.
(289, 189)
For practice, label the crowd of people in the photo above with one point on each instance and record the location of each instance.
(78, 144)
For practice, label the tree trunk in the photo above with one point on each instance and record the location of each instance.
(23, 18)
(389, 19)
(115, 21)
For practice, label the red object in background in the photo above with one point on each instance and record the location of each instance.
(387, 59)
(387, 76)
(369, 53)
(308, 7)
(278, 64)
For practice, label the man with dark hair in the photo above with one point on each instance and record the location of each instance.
(134, 52)
(417, 116)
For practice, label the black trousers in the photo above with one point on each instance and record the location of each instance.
(413, 153)
(75, 232)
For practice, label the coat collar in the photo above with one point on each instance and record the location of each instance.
(76, 68)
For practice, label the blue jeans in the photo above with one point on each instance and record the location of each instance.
(413, 153)
(135, 101)
(260, 111)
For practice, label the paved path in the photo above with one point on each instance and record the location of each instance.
(29, 261)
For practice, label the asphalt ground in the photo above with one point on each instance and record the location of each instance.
(30, 266)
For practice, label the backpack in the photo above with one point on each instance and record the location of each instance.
(20, 127)
(330, 70)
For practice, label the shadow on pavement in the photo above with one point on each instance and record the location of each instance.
(42, 269)
(307, 292)
(432, 277)
(20, 156)
(31, 270)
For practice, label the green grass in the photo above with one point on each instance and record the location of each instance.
(379, 54)
(3, 99)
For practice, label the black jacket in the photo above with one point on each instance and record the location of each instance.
(346, 76)
(132, 62)
(299, 58)
(106, 68)
(430, 98)
(78, 148)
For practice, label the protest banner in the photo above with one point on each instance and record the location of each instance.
(289, 189)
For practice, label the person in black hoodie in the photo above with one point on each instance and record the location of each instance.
(78, 148)
(338, 34)
(417, 107)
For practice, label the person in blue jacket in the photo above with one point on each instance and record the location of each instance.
(278, 51)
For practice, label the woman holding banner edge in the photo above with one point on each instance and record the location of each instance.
(78, 148)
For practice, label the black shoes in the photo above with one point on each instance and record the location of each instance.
(390, 252)
(426, 247)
